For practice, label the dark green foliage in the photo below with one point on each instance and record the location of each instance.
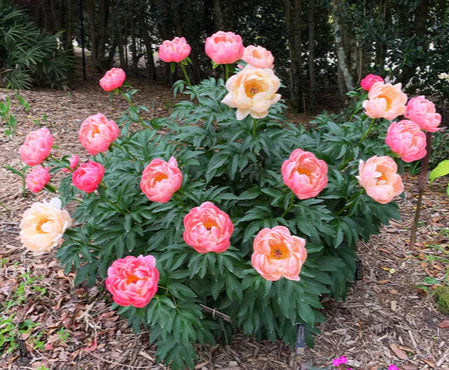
(236, 165)
(442, 298)
(28, 55)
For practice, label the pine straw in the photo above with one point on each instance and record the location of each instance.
(387, 308)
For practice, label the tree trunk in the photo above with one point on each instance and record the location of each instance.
(312, 77)
(341, 52)
(92, 31)
(293, 11)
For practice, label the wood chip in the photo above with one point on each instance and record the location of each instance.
(398, 352)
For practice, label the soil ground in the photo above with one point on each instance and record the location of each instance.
(389, 317)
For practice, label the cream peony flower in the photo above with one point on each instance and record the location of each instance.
(252, 91)
(43, 225)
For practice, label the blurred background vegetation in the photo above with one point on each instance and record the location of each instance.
(322, 48)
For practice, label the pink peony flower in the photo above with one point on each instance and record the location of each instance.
(43, 224)
(304, 174)
(252, 91)
(88, 176)
(73, 160)
(258, 57)
(97, 133)
(113, 79)
(385, 101)
(132, 281)
(37, 147)
(278, 254)
(208, 229)
(406, 139)
(175, 50)
(161, 179)
(422, 111)
(339, 361)
(369, 81)
(224, 47)
(380, 179)
(37, 178)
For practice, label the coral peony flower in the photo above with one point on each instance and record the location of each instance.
(43, 224)
(132, 281)
(208, 229)
(380, 179)
(175, 50)
(73, 160)
(252, 91)
(224, 47)
(385, 101)
(369, 81)
(88, 176)
(304, 174)
(113, 79)
(422, 111)
(37, 178)
(258, 57)
(97, 133)
(161, 179)
(406, 139)
(37, 147)
(278, 254)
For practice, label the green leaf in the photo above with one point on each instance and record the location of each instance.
(441, 170)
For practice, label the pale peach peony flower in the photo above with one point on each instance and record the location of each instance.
(385, 101)
(252, 91)
(406, 139)
(174, 50)
(37, 178)
(380, 179)
(278, 254)
(88, 176)
(113, 79)
(208, 229)
(37, 147)
(224, 47)
(161, 179)
(258, 57)
(132, 281)
(97, 133)
(422, 111)
(369, 81)
(73, 160)
(43, 225)
(304, 174)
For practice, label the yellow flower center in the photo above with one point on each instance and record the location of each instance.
(387, 100)
(131, 279)
(252, 89)
(40, 224)
(279, 252)
(304, 171)
(209, 224)
(160, 176)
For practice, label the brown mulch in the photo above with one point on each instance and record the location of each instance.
(388, 317)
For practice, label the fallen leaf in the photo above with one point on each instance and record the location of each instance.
(430, 363)
(398, 352)
(383, 282)
(393, 291)
(444, 324)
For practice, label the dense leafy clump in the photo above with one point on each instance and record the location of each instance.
(237, 166)
(28, 55)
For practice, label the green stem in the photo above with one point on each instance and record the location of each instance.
(365, 135)
(226, 72)
(185, 73)
(254, 126)
(292, 199)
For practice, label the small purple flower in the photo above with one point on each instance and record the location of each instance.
(393, 367)
(339, 361)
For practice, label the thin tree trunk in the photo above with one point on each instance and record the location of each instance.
(312, 77)
(341, 52)
(92, 31)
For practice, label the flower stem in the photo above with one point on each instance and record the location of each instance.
(365, 135)
(421, 188)
(226, 72)
(254, 126)
(292, 199)
(185, 73)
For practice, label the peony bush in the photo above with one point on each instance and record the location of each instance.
(224, 206)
